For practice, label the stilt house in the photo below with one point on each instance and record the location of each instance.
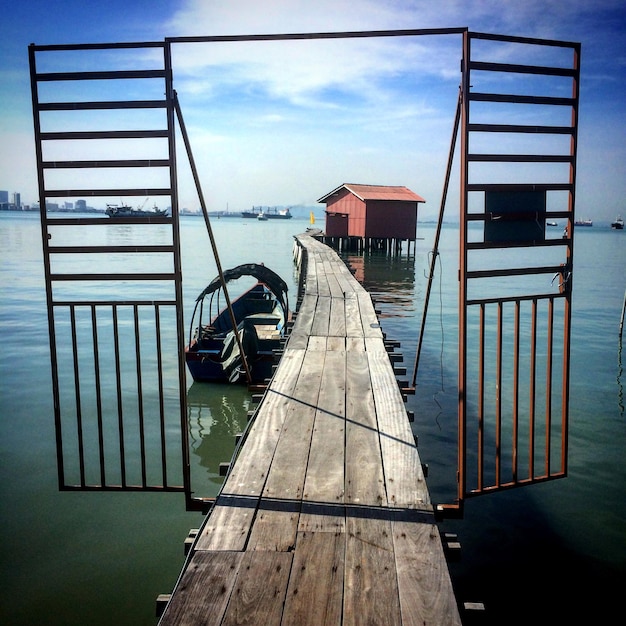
(371, 213)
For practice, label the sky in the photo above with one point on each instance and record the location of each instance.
(284, 123)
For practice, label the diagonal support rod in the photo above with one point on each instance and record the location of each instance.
(435, 251)
(205, 213)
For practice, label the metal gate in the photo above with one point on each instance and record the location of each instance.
(113, 352)
(518, 174)
(114, 292)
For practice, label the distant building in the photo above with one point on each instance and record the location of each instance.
(4, 197)
(80, 205)
(371, 212)
(17, 201)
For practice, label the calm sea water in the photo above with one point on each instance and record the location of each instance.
(543, 554)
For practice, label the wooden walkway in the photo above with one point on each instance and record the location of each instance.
(325, 517)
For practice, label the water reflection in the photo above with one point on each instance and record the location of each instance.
(216, 414)
(389, 279)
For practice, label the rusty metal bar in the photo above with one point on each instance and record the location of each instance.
(93, 193)
(522, 69)
(98, 221)
(515, 271)
(96, 46)
(481, 399)
(79, 414)
(515, 298)
(494, 245)
(520, 158)
(111, 277)
(435, 250)
(463, 264)
(516, 374)
(103, 105)
(106, 163)
(322, 35)
(107, 75)
(520, 99)
(114, 303)
(498, 477)
(98, 389)
(209, 228)
(118, 390)
(528, 40)
(140, 407)
(521, 128)
(46, 264)
(549, 349)
(170, 96)
(519, 187)
(567, 286)
(103, 134)
(532, 389)
(157, 321)
(107, 249)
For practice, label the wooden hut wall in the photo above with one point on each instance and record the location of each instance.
(390, 219)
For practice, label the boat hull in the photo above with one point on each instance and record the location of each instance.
(207, 367)
(213, 354)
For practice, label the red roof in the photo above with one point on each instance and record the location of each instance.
(377, 192)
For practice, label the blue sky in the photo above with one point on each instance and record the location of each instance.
(284, 123)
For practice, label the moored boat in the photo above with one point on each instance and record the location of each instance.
(213, 353)
(618, 224)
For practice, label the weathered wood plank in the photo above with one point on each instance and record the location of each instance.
(337, 320)
(331, 269)
(364, 468)
(321, 321)
(354, 327)
(203, 592)
(404, 477)
(426, 594)
(315, 592)
(324, 483)
(371, 588)
(368, 317)
(276, 522)
(260, 589)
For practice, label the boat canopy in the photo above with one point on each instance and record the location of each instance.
(263, 274)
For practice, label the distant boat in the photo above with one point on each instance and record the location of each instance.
(114, 210)
(270, 213)
(618, 224)
(551, 223)
(261, 217)
(586, 222)
(212, 354)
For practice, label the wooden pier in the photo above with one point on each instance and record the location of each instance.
(325, 517)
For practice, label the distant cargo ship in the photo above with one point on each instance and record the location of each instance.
(270, 214)
(583, 222)
(114, 210)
